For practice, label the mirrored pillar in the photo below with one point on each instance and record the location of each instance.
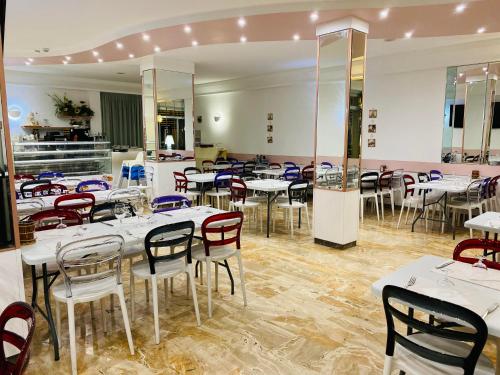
(340, 84)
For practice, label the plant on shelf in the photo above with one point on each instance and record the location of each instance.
(65, 107)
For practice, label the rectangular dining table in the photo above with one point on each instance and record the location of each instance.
(488, 222)
(71, 182)
(42, 254)
(441, 285)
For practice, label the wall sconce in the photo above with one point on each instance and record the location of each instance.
(217, 117)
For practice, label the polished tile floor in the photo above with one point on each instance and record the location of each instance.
(310, 311)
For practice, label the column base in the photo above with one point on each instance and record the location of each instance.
(334, 245)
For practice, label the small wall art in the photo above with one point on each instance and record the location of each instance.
(372, 113)
(372, 128)
(371, 143)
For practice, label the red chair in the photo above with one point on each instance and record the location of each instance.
(49, 219)
(219, 233)
(80, 202)
(24, 177)
(207, 166)
(49, 189)
(489, 247)
(181, 185)
(23, 311)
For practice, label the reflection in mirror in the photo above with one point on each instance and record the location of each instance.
(492, 130)
(448, 153)
(148, 105)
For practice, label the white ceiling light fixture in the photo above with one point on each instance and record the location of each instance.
(384, 13)
(100, 60)
(187, 29)
(27, 63)
(131, 55)
(95, 53)
(146, 37)
(460, 8)
(157, 49)
(296, 37)
(119, 45)
(68, 58)
(242, 22)
(65, 62)
(314, 16)
(30, 59)
(243, 39)
(408, 34)
(194, 43)
(481, 30)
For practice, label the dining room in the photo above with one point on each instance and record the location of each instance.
(263, 187)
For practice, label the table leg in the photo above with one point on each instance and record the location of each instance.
(420, 213)
(34, 283)
(497, 343)
(269, 201)
(50, 320)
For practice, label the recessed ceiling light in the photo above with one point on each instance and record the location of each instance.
(461, 75)
(194, 43)
(119, 45)
(100, 60)
(485, 69)
(242, 22)
(145, 37)
(460, 8)
(408, 34)
(30, 59)
(384, 13)
(95, 53)
(65, 62)
(481, 30)
(243, 39)
(157, 49)
(485, 72)
(27, 63)
(314, 16)
(68, 58)
(131, 55)
(187, 29)
(296, 37)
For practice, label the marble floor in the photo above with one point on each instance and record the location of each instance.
(310, 311)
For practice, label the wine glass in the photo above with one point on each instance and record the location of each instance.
(61, 225)
(480, 263)
(139, 209)
(120, 211)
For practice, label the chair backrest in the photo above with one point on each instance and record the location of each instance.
(434, 174)
(291, 173)
(92, 185)
(408, 182)
(50, 175)
(130, 194)
(188, 158)
(492, 187)
(274, 166)
(385, 181)
(308, 172)
(222, 162)
(49, 189)
(489, 247)
(232, 160)
(288, 164)
(397, 178)
(77, 201)
(220, 159)
(31, 204)
(485, 187)
(326, 164)
(223, 180)
(170, 235)
(249, 167)
(91, 255)
(49, 219)
(137, 172)
(207, 165)
(297, 191)
(238, 190)
(181, 182)
(474, 191)
(368, 181)
(24, 177)
(14, 312)
(105, 211)
(333, 177)
(191, 170)
(169, 202)
(227, 225)
(396, 302)
(423, 177)
(238, 166)
(27, 187)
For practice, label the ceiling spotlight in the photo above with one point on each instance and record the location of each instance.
(68, 58)
(461, 75)
(481, 30)
(131, 55)
(30, 59)
(460, 8)
(408, 34)
(100, 60)
(485, 69)
(119, 45)
(157, 49)
(384, 13)
(145, 37)
(243, 39)
(65, 62)
(27, 63)
(187, 29)
(242, 22)
(194, 43)
(296, 37)
(314, 16)
(95, 53)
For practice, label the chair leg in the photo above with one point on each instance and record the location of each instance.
(307, 218)
(401, 213)
(362, 208)
(58, 320)
(165, 290)
(193, 292)
(376, 208)
(154, 289)
(126, 323)
(72, 334)
(291, 221)
(209, 287)
(408, 212)
(201, 273)
(172, 250)
(387, 365)
(242, 277)
(132, 292)
(470, 217)
(392, 201)
(216, 276)
(103, 315)
(382, 205)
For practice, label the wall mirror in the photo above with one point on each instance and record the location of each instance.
(168, 114)
(341, 69)
(472, 115)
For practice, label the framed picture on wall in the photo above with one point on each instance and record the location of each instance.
(269, 139)
(270, 128)
(270, 117)
(372, 128)
(371, 143)
(372, 113)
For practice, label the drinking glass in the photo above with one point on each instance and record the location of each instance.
(61, 225)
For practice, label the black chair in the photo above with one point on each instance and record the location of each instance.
(368, 190)
(296, 199)
(27, 187)
(105, 211)
(191, 170)
(249, 167)
(432, 349)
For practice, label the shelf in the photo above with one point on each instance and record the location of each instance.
(76, 117)
(56, 161)
(67, 143)
(49, 127)
(51, 152)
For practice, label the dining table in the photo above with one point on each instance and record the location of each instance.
(41, 255)
(71, 182)
(475, 288)
(488, 222)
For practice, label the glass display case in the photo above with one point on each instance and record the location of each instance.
(70, 158)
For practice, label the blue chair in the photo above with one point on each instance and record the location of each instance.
(91, 185)
(169, 202)
(435, 175)
(222, 184)
(291, 174)
(326, 164)
(50, 175)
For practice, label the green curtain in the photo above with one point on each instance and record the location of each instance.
(122, 118)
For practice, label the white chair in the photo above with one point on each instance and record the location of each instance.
(296, 200)
(472, 200)
(164, 267)
(398, 183)
(410, 199)
(221, 241)
(385, 189)
(90, 255)
(221, 190)
(368, 190)
(241, 202)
